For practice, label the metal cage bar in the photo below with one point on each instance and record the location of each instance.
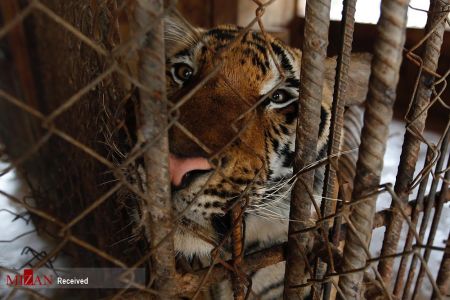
(153, 121)
(312, 78)
(331, 188)
(410, 149)
(443, 278)
(155, 118)
(379, 109)
(438, 209)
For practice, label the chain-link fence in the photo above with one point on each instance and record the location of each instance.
(88, 123)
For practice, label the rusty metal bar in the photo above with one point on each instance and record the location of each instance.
(379, 109)
(437, 216)
(443, 278)
(418, 239)
(188, 283)
(438, 207)
(411, 145)
(422, 230)
(414, 219)
(410, 238)
(331, 188)
(153, 120)
(312, 78)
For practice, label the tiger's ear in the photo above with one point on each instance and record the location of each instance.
(358, 77)
(179, 34)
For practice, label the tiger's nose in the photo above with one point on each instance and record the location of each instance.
(183, 169)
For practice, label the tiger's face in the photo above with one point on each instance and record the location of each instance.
(235, 103)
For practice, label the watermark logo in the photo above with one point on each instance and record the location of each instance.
(61, 278)
(28, 278)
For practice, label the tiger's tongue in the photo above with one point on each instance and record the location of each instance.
(178, 167)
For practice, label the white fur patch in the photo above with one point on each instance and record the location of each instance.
(190, 245)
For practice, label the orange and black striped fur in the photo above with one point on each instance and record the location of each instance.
(244, 118)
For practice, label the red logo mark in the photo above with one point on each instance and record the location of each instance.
(28, 279)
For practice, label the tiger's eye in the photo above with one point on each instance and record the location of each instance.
(183, 72)
(278, 96)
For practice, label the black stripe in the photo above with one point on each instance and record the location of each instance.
(275, 129)
(221, 194)
(257, 37)
(251, 53)
(222, 224)
(240, 181)
(288, 156)
(261, 49)
(284, 129)
(323, 120)
(271, 287)
(293, 82)
(275, 144)
(285, 63)
(322, 152)
(223, 34)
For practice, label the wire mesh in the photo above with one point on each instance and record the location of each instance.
(116, 48)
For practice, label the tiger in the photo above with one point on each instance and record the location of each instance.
(234, 98)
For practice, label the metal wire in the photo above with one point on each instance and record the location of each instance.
(335, 274)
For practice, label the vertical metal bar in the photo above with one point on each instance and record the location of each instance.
(411, 144)
(438, 207)
(423, 225)
(337, 119)
(312, 78)
(153, 122)
(443, 278)
(379, 109)
(414, 219)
